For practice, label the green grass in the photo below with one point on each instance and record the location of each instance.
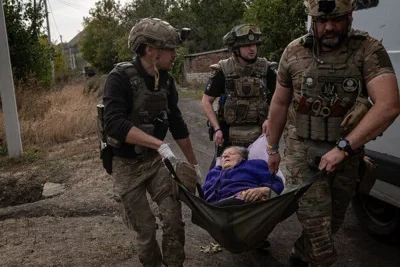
(30, 155)
(194, 93)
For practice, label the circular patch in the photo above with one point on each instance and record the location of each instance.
(310, 82)
(251, 37)
(328, 89)
(350, 84)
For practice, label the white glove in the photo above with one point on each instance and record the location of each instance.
(166, 153)
(198, 173)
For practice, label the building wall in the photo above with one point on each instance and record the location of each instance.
(197, 66)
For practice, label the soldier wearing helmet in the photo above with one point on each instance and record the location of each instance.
(140, 106)
(336, 91)
(244, 82)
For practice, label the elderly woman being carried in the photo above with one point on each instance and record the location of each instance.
(239, 180)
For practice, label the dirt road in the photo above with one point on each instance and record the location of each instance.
(82, 227)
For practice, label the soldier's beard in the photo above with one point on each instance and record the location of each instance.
(248, 60)
(333, 39)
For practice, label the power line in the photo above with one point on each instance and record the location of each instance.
(55, 23)
(77, 7)
(74, 5)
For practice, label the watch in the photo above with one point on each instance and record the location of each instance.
(344, 145)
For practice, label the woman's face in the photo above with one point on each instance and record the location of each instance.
(230, 158)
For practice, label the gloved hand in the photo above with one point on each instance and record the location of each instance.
(198, 173)
(166, 153)
(355, 115)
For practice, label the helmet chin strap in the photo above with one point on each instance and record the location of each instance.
(248, 61)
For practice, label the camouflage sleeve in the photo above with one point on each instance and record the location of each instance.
(284, 77)
(376, 60)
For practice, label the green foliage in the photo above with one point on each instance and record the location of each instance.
(281, 21)
(178, 64)
(211, 20)
(24, 21)
(107, 28)
(102, 37)
(60, 64)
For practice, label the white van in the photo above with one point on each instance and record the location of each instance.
(380, 211)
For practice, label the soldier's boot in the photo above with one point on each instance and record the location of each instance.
(296, 260)
(265, 245)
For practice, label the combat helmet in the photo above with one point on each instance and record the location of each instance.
(155, 32)
(329, 8)
(242, 35)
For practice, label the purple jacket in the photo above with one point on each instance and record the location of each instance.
(221, 184)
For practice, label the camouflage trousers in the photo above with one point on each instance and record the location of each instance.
(132, 179)
(322, 208)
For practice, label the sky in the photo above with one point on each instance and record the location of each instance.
(66, 17)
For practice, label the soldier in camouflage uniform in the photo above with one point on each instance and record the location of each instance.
(140, 102)
(324, 79)
(244, 90)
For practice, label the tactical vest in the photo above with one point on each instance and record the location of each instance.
(245, 107)
(328, 90)
(150, 105)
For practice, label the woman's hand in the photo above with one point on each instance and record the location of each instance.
(254, 194)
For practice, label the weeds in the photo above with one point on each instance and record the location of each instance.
(193, 90)
(48, 118)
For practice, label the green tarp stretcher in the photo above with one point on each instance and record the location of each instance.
(242, 227)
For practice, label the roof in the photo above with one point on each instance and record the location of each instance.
(74, 41)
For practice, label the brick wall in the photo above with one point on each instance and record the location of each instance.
(197, 66)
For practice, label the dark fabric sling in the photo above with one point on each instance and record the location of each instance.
(240, 228)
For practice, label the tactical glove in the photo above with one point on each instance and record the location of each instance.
(355, 115)
(166, 153)
(198, 173)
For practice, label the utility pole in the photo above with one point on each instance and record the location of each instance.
(7, 93)
(61, 38)
(49, 39)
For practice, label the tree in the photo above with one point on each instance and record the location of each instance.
(60, 63)
(278, 29)
(102, 35)
(24, 21)
(211, 20)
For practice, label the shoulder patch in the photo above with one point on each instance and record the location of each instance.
(215, 68)
(208, 86)
(273, 66)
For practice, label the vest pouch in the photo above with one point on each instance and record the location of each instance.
(333, 128)
(244, 135)
(247, 87)
(230, 110)
(148, 129)
(317, 128)
(263, 109)
(355, 114)
(254, 111)
(161, 125)
(303, 125)
(242, 111)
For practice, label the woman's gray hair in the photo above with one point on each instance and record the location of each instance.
(243, 152)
